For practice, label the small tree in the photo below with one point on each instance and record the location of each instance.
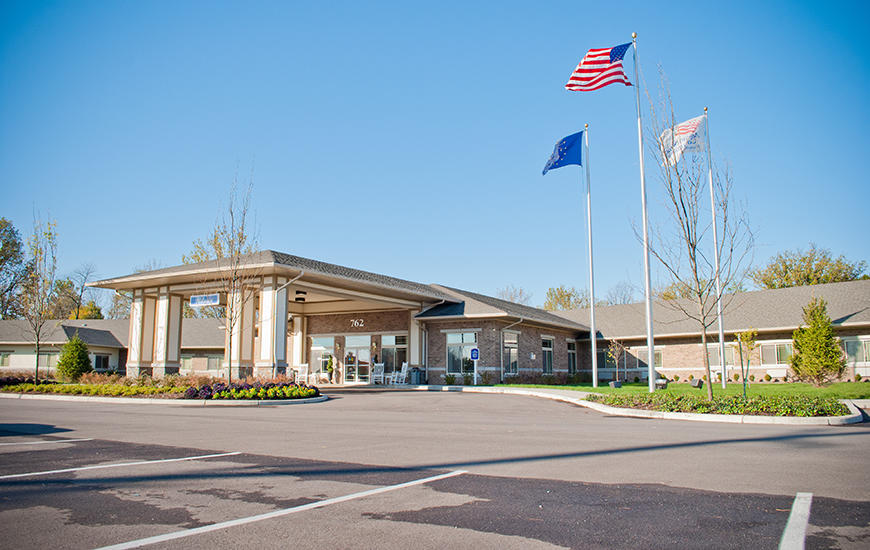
(746, 340)
(615, 350)
(817, 356)
(38, 294)
(74, 360)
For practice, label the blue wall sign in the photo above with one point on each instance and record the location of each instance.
(475, 354)
(202, 300)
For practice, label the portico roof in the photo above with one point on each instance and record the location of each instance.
(270, 262)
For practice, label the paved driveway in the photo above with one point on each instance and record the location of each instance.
(399, 469)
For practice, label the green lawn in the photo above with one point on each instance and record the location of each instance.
(840, 390)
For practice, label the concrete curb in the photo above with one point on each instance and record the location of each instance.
(853, 417)
(160, 401)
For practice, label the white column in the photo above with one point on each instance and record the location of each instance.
(415, 342)
(240, 330)
(149, 305)
(298, 339)
(134, 347)
(272, 327)
(167, 333)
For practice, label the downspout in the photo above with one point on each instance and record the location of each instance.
(501, 351)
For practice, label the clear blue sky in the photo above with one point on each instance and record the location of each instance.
(409, 139)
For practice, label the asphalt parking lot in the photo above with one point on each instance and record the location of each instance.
(399, 469)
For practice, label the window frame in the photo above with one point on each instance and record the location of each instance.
(462, 345)
(511, 352)
(547, 354)
(572, 355)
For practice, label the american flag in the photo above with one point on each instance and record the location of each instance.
(688, 136)
(599, 68)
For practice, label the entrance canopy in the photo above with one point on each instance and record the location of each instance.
(275, 287)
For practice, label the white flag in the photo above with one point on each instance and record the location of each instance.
(689, 136)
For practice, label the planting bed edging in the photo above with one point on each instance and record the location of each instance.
(161, 401)
(854, 417)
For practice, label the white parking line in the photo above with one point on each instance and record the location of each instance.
(47, 441)
(101, 466)
(796, 528)
(277, 513)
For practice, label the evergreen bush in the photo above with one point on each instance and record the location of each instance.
(74, 360)
(817, 356)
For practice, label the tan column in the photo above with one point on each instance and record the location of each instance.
(299, 340)
(272, 328)
(240, 332)
(167, 334)
(415, 342)
(134, 348)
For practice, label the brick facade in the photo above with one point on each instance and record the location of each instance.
(490, 346)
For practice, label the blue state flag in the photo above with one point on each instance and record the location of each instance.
(567, 151)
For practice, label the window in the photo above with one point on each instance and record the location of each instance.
(572, 357)
(322, 351)
(857, 351)
(394, 352)
(510, 352)
(187, 362)
(214, 362)
(101, 362)
(713, 355)
(547, 355)
(604, 360)
(4, 358)
(459, 346)
(776, 354)
(640, 357)
(48, 359)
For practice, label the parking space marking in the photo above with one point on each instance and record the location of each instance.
(277, 513)
(796, 528)
(101, 466)
(48, 441)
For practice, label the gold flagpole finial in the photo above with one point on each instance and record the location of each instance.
(587, 126)
(634, 36)
(705, 110)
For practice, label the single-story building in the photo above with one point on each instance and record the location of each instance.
(295, 313)
(774, 313)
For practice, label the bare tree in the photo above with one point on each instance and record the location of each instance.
(233, 246)
(80, 278)
(684, 248)
(620, 293)
(39, 289)
(514, 294)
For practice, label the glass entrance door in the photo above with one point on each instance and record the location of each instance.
(357, 358)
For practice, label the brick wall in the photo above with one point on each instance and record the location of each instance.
(489, 344)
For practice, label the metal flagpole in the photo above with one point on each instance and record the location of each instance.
(649, 313)
(591, 271)
(716, 255)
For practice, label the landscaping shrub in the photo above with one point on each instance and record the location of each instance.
(817, 356)
(691, 377)
(752, 378)
(767, 378)
(467, 379)
(857, 377)
(449, 379)
(737, 378)
(676, 378)
(257, 390)
(779, 405)
(636, 379)
(74, 360)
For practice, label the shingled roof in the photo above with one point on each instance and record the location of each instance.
(472, 304)
(764, 310)
(273, 259)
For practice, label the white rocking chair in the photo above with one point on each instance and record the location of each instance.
(301, 373)
(378, 374)
(400, 377)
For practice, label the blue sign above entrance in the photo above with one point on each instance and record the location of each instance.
(202, 300)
